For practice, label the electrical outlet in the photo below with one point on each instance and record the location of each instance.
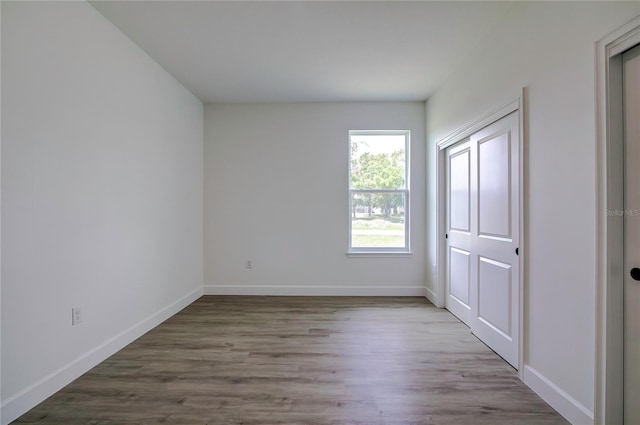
(76, 316)
(249, 264)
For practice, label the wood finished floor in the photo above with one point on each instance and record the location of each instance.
(297, 360)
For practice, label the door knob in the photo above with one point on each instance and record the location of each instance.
(635, 273)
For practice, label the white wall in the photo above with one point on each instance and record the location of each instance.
(548, 47)
(276, 193)
(101, 195)
(0, 214)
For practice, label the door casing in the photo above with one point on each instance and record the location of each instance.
(609, 374)
(631, 367)
(460, 134)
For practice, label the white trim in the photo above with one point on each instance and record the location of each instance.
(478, 123)
(566, 405)
(524, 217)
(609, 342)
(431, 296)
(441, 227)
(463, 132)
(379, 254)
(18, 404)
(327, 291)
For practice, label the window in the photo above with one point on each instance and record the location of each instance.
(378, 191)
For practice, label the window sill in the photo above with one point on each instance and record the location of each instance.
(379, 254)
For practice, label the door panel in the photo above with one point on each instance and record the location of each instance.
(459, 267)
(482, 229)
(494, 295)
(460, 191)
(631, 61)
(494, 196)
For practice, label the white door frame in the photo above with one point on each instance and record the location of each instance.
(441, 249)
(609, 372)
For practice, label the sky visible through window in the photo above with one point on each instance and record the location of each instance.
(379, 143)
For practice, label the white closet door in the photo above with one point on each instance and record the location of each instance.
(631, 366)
(495, 294)
(459, 213)
(482, 235)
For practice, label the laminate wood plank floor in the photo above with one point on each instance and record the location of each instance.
(301, 360)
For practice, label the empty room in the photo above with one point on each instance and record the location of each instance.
(320, 212)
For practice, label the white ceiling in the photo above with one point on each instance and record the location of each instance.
(307, 51)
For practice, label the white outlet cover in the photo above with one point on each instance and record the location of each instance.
(76, 316)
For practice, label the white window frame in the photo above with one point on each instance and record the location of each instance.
(394, 251)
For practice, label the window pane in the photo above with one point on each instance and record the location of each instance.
(378, 161)
(377, 220)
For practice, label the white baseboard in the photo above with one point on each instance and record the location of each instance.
(431, 296)
(22, 402)
(327, 291)
(566, 405)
